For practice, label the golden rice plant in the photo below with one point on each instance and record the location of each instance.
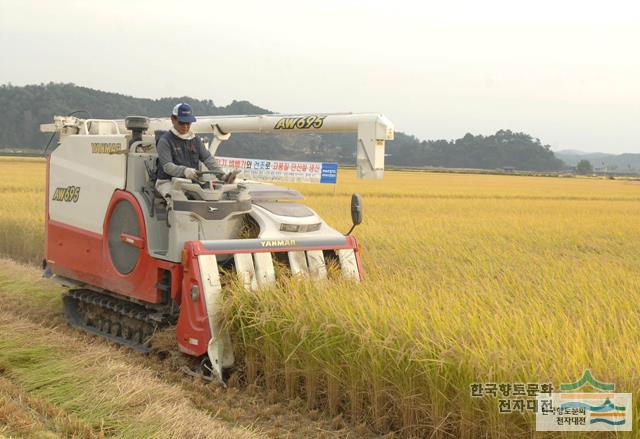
(469, 279)
(22, 208)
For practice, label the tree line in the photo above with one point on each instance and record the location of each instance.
(29, 106)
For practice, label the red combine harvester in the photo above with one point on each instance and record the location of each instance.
(136, 261)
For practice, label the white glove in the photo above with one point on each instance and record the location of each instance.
(190, 173)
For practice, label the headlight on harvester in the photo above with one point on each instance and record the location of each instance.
(299, 227)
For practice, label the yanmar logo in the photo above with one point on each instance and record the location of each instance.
(299, 123)
(279, 243)
(106, 148)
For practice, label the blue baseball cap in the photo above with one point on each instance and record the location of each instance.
(184, 113)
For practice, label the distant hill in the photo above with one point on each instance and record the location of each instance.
(502, 149)
(25, 108)
(613, 162)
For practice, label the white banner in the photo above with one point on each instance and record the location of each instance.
(279, 170)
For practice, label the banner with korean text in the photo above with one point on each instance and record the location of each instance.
(279, 170)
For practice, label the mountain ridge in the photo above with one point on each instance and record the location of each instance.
(36, 104)
(625, 162)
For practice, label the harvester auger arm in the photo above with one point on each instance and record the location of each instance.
(372, 130)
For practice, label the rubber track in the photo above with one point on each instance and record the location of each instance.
(151, 319)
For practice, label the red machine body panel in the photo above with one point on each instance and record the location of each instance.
(192, 332)
(84, 256)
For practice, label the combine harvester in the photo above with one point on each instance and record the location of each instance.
(135, 262)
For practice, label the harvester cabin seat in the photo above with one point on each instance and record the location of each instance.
(152, 171)
(156, 200)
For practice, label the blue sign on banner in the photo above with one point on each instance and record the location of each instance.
(329, 173)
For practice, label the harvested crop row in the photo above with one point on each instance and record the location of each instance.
(23, 415)
(102, 391)
(240, 407)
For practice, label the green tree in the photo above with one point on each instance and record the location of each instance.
(584, 167)
(32, 105)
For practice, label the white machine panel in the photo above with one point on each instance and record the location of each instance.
(85, 171)
(317, 266)
(246, 270)
(219, 349)
(349, 264)
(298, 263)
(264, 269)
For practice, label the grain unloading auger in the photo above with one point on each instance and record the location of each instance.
(136, 262)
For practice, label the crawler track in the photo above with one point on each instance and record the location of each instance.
(118, 320)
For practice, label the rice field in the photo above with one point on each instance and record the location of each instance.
(22, 208)
(469, 279)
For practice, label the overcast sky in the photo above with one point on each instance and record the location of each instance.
(567, 72)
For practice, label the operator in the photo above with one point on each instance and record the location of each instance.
(180, 152)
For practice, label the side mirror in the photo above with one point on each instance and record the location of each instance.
(356, 211)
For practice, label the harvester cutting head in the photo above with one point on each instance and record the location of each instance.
(265, 232)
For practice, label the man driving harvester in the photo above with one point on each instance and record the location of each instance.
(180, 152)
